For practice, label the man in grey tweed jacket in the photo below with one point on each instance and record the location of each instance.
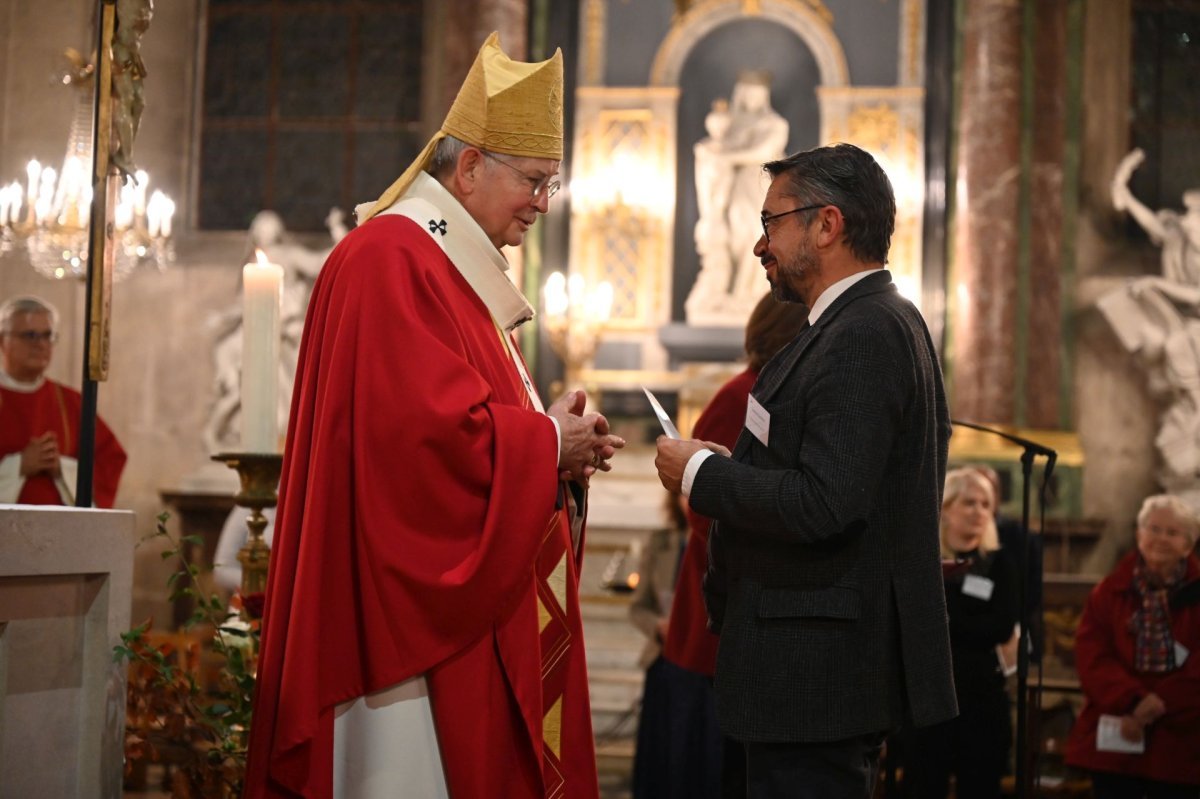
(824, 575)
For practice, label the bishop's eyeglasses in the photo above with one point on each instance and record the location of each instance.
(765, 218)
(536, 185)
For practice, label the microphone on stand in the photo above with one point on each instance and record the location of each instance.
(1032, 449)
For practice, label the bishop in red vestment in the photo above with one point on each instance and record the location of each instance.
(427, 548)
(39, 418)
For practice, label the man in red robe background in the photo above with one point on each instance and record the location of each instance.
(422, 634)
(39, 418)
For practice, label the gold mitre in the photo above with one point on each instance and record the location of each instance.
(504, 106)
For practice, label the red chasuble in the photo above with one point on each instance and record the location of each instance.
(689, 643)
(55, 408)
(419, 532)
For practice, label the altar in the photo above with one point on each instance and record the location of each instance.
(66, 577)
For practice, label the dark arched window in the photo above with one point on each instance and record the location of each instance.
(305, 105)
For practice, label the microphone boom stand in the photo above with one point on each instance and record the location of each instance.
(1031, 451)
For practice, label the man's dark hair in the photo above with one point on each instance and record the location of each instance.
(848, 177)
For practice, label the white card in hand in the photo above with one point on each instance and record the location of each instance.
(1108, 737)
(667, 425)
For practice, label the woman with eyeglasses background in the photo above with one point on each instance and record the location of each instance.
(39, 418)
(1137, 650)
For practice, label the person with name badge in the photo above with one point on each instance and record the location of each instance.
(1136, 654)
(824, 581)
(695, 761)
(983, 602)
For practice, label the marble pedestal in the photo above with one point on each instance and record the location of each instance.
(66, 577)
(685, 343)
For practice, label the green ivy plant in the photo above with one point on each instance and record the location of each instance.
(189, 698)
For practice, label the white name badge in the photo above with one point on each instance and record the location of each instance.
(978, 587)
(1181, 654)
(758, 421)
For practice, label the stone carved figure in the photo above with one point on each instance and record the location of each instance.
(742, 135)
(1157, 318)
(128, 71)
(301, 265)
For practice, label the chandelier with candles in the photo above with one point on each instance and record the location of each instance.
(47, 219)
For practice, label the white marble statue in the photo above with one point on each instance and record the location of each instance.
(300, 268)
(742, 135)
(1157, 318)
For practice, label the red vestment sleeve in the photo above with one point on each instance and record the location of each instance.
(416, 490)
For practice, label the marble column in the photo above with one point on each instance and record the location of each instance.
(984, 275)
(1043, 378)
(1006, 320)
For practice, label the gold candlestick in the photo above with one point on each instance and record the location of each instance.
(259, 473)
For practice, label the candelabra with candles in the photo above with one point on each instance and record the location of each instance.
(48, 216)
(575, 315)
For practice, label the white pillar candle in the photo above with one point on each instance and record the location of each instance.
(142, 180)
(262, 296)
(154, 215)
(168, 212)
(33, 171)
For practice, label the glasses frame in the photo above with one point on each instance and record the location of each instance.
(765, 218)
(547, 184)
(32, 337)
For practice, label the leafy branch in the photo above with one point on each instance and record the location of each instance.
(190, 694)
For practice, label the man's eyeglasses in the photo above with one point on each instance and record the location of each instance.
(536, 185)
(34, 336)
(765, 218)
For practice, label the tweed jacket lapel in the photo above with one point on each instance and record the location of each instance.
(777, 370)
(773, 376)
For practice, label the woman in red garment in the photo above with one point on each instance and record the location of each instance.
(1137, 651)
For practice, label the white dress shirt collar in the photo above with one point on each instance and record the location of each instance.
(833, 292)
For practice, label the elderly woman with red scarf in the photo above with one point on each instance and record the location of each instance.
(1137, 651)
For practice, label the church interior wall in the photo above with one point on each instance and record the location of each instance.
(633, 33)
(1113, 410)
(870, 40)
(161, 381)
(161, 375)
(161, 378)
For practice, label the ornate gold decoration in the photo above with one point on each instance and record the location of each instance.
(595, 17)
(622, 235)
(259, 474)
(101, 251)
(1061, 624)
(912, 51)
